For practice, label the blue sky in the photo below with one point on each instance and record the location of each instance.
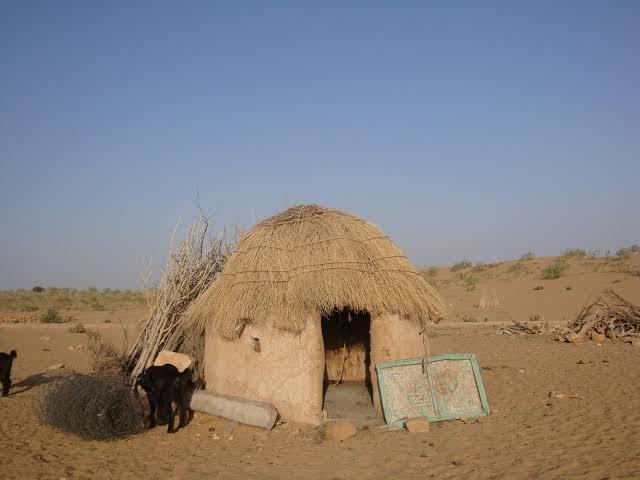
(476, 130)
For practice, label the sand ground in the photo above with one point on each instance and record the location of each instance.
(528, 435)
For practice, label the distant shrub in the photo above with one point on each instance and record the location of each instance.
(517, 267)
(527, 256)
(536, 317)
(624, 253)
(470, 280)
(573, 253)
(555, 270)
(92, 289)
(538, 287)
(480, 267)
(469, 319)
(29, 308)
(568, 287)
(108, 320)
(460, 265)
(79, 328)
(38, 289)
(98, 307)
(51, 315)
(430, 275)
(593, 253)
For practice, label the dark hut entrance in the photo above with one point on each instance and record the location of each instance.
(347, 385)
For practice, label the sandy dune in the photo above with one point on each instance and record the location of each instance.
(530, 434)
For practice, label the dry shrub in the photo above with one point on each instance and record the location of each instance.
(104, 356)
(555, 270)
(98, 406)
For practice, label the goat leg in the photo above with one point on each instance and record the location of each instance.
(152, 411)
(172, 417)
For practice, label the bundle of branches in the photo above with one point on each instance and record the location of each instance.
(191, 268)
(99, 406)
(610, 316)
(525, 328)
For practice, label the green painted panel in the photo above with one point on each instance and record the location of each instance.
(440, 387)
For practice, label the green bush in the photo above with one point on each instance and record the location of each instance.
(538, 287)
(527, 256)
(555, 270)
(51, 315)
(79, 328)
(469, 319)
(460, 265)
(536, 317)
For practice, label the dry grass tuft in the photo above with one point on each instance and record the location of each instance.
(307, 262)
(555, 270)
(488, 299)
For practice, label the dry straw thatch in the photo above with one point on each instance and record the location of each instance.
(308, 261)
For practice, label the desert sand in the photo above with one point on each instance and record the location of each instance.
(557, 410)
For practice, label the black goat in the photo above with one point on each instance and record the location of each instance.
(168, 392)
(6, 360)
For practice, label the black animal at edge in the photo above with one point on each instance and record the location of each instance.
(6, 361)
(169, 393)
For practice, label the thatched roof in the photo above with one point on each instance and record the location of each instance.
(308, 261)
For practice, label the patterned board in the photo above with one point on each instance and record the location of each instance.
(441, 387)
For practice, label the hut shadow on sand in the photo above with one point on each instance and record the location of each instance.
(312, 297)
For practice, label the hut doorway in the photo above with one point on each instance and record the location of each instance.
(347, 388)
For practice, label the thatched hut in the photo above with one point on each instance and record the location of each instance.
(311, 295)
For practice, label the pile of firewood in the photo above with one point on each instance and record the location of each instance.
(191, 268)
(525, 328)
(610, 316)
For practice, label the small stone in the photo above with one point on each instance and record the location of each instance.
(212, 429)
(230, 437)
(45, 339)
(71, 347)
(598, 337)
(418, 424)
(339, 431)
(56, 366)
